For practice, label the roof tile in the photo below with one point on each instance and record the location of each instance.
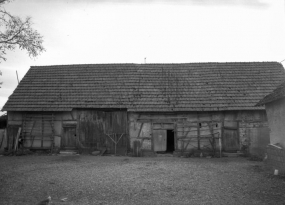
(146, 87)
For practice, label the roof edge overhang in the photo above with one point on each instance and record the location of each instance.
(264, 101)
(35, 110)
(197, 110)
(170, 110)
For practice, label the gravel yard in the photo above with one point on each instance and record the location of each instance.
(126, 180)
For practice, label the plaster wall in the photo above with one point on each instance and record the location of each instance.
(276, 119)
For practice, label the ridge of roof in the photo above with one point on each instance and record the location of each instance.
(134, 64)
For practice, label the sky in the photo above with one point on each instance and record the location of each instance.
(151, 31)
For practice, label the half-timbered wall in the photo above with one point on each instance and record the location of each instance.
(237, 130)
(80, 128)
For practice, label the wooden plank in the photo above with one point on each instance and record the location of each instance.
(198, 135)
(153, 119)
(4, 136)
(140, 129)
(42, 143)
(152, 140)
(175, 137)
(33, 138)
(17, 139)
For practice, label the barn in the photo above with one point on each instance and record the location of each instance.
(144, 108)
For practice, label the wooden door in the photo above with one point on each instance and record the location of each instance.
(68, 141)
(159, 140)
(230, 140)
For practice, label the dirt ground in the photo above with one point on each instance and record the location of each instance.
(126, 180)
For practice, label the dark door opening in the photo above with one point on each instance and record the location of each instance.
(170, 141)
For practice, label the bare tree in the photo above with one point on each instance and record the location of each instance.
(16, 32)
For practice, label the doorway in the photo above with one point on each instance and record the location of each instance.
(68, 140)
(170, 141)
(230, 138)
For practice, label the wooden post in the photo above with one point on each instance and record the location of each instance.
(4, 136)
(9, 136)
(152, 140)
(222, 132)
(127, 131)
(198, 135)
(140, 129)
(115, 138)
(42, 141)
(175, 136)
(17, 139)
(31, 136)
(238, 132)
(220, 145)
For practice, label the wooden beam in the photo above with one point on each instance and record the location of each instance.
(42, 142)
(198, 135)
(152, 140)
(17, 139)
(4, 136)
(175, 137)
(140, 130)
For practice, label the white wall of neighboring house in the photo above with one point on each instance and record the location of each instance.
(276, 118)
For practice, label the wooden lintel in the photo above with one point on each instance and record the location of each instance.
(160, 119)
(144, 138)
(230, 128)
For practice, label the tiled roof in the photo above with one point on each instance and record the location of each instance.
(146, 87)
(277, 94)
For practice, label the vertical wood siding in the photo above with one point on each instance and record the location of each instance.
(99, 129)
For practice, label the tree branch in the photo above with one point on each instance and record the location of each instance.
(15, 32)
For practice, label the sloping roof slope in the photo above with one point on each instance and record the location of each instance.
(277, 94)
(146, 87)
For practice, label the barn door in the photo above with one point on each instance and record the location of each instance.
(230, 137)
(68, 141)
(100, 129)
(159, 140)
(116, 132)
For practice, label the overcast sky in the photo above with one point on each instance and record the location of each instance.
(162, 31)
